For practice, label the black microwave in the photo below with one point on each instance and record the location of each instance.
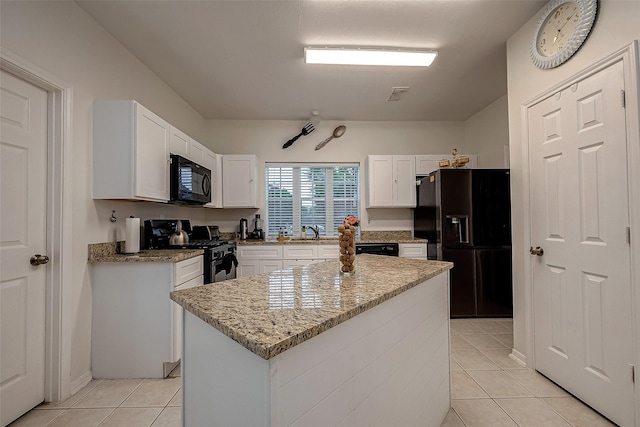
(190, 182)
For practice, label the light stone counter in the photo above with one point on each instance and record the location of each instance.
(273, 312)
(401, 236)
(111, 252)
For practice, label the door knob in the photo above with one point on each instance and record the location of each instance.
(536, 251)
(39, 259)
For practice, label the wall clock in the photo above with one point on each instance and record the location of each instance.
(563, 26)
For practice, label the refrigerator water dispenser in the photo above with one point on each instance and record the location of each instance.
(457, 229)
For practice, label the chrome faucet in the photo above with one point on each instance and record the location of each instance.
(316, 230)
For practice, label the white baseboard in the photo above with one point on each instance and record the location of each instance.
(81, 381)
(518, 357)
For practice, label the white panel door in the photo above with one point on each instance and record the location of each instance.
(23, 175)
(239, 181)
(151, 156)
(579, 211)
(179, 143)
(404, 181)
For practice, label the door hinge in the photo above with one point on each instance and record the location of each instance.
(623, 99)
(632, 372)
(629, 235)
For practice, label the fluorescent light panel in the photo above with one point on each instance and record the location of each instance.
(366, 56)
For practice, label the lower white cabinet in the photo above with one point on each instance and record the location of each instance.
(250, 267)
(413, 250)
(137, 329)
(256, 259)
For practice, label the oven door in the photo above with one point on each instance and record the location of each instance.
(218, 270)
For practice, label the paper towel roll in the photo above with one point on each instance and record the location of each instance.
(132, 238)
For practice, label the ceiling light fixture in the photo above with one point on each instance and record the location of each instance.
(369, 56)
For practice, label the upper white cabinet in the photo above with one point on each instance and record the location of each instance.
(179, 142)
(130, 152)
(197, 152)
(213, 162)
(391, 181)
(427, 163)
(239, 181)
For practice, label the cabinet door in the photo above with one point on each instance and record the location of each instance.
(413, 250)
(179, 143)
(239, 187)
(210, 161)
(151, 156)
(196, 152)
(269, 265)
(248, 267)
(404, 181)
(379, 175)
(425, 164)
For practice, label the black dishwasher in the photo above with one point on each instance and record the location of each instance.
(388, 249)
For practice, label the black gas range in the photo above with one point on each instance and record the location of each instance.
(220, 260)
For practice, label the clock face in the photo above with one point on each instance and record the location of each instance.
(563, 26)
(558, 29)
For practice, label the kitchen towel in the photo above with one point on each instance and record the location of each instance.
(132, 238)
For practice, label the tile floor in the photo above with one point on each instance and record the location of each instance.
(488, 389)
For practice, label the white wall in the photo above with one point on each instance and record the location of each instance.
(265, 138)
(63, 40)
(487, 133)
(615, 27)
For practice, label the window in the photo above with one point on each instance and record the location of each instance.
(310, 194)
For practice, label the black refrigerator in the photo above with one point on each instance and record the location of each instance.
(465, 214)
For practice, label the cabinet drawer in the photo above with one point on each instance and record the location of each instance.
(328, 251)
(260, 252)
(413, 250)
(187, 269)
(301, 252)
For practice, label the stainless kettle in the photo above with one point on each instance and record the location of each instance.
(178, 237)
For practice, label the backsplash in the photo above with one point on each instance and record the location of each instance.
(391, 236)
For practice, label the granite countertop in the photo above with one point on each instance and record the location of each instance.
(365, 237)
(272, 312)
(111, 252)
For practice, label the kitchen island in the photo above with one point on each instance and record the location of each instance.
(307, 346)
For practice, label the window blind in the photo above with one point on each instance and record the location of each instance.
(309, 195)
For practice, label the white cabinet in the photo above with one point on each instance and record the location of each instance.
(413, 250)
(136, 328)
(391, 181)
(197, 152)
(239, 181)
(427, 163)
(130, 152)
(179, 142)
(213, 162)
(255, 259)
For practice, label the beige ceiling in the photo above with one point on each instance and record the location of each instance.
(243, 59)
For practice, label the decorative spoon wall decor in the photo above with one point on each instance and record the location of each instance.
(337, 133)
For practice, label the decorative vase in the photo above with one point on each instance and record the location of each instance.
(347, 241)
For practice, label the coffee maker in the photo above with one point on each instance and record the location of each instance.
(257, 228)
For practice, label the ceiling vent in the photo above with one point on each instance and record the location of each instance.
(397, 93)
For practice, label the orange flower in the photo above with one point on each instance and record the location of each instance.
(351, 220)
